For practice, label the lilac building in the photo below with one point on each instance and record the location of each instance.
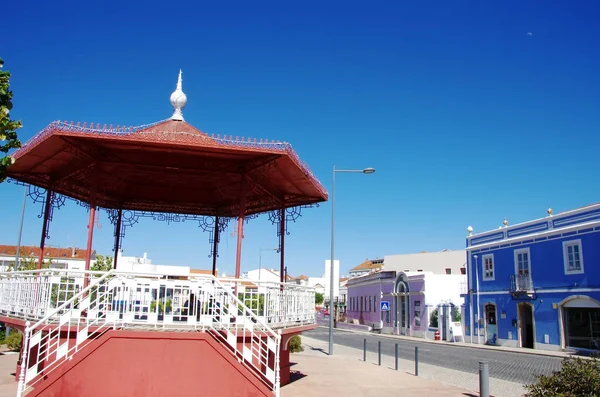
(410, 295)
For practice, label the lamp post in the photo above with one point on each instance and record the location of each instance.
(331, 264)
(260, 259)
(477, 289)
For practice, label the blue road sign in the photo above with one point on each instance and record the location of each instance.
(385, 306)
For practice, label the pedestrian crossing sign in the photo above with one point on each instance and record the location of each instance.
(385, 306)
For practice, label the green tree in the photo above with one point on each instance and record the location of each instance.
(29, 262)
(102, 264)
(433, 319)
(319, 298)
(8, 127)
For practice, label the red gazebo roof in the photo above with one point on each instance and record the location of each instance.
(168, 166)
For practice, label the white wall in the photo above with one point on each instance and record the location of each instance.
(436, 262)
(265, 275)
(443, 288)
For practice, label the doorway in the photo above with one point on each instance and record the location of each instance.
(491, 327)
(526, 325)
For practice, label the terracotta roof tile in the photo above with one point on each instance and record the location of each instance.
(200, 271)
(367, 265)
(49, 252)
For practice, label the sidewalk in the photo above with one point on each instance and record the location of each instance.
(465, 344)
(8, 366)
(344, 373)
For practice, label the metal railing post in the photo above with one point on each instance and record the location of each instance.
(484, 379)
(416, 360)
(379, 353)
(396, 356)
(365, 350)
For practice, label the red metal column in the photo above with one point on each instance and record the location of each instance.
(240, 233)
(215, 245)
(91, 220)
(45, 227)
(117, 237)
(282, 243)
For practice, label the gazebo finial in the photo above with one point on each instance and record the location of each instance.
(178, 100)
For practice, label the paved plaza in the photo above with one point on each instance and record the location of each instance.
(314, 373)
(457, 364)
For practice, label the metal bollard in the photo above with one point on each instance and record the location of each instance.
(379, 353)
(484, 379)
(365, 350)
(416, 360)
(396, 357)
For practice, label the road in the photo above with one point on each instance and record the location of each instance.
(514, 367)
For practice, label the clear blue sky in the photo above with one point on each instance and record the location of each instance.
(470, 111)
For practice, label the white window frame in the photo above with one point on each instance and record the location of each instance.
(486, 278)
(571, 243)
(520, 251)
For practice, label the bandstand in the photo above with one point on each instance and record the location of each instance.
(83, 330)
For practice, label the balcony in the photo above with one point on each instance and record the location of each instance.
(521, 284)
(148, 300)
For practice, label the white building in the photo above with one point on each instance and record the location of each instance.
(71, 258)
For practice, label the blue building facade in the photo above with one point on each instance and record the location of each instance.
(536, 284)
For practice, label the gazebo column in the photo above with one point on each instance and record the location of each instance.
(45, 225)
(282, 244)
(216, 236)
(240, 231)
(91, 220)
(117, 237)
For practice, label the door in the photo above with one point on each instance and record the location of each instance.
(526, 325)
(491, 330)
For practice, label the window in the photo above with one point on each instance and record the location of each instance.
(573, 257)
(463, 270)
(448, 271)
(370, 303)
(374, 303)
(488, 267)
(522, 263)
(361, 303)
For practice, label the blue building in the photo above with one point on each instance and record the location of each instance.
(536, 284)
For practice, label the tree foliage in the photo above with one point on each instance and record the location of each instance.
(433, 319)
(14, 340)
(102, 264)
(296, 344)
(28, 262)
(577, 377)
(319, 298)
(8, 127)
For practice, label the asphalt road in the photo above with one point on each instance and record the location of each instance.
(514, 367)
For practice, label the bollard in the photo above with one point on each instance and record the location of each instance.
(416, 360)
(379, 353)
(365, 350)
(484, 379)
(396, 357)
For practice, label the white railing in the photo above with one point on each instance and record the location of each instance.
(241, 313)
(280, 305)
(156, 302)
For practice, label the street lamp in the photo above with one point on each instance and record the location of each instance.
(260, 258)
(331, 264)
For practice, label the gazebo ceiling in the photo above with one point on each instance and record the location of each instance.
(169, 166)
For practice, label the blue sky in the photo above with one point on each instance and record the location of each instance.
(470, 111)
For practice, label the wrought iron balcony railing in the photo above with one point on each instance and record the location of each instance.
(521, 283)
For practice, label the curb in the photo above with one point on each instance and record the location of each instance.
(463, 344)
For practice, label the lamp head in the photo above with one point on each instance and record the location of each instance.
(368, 170)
